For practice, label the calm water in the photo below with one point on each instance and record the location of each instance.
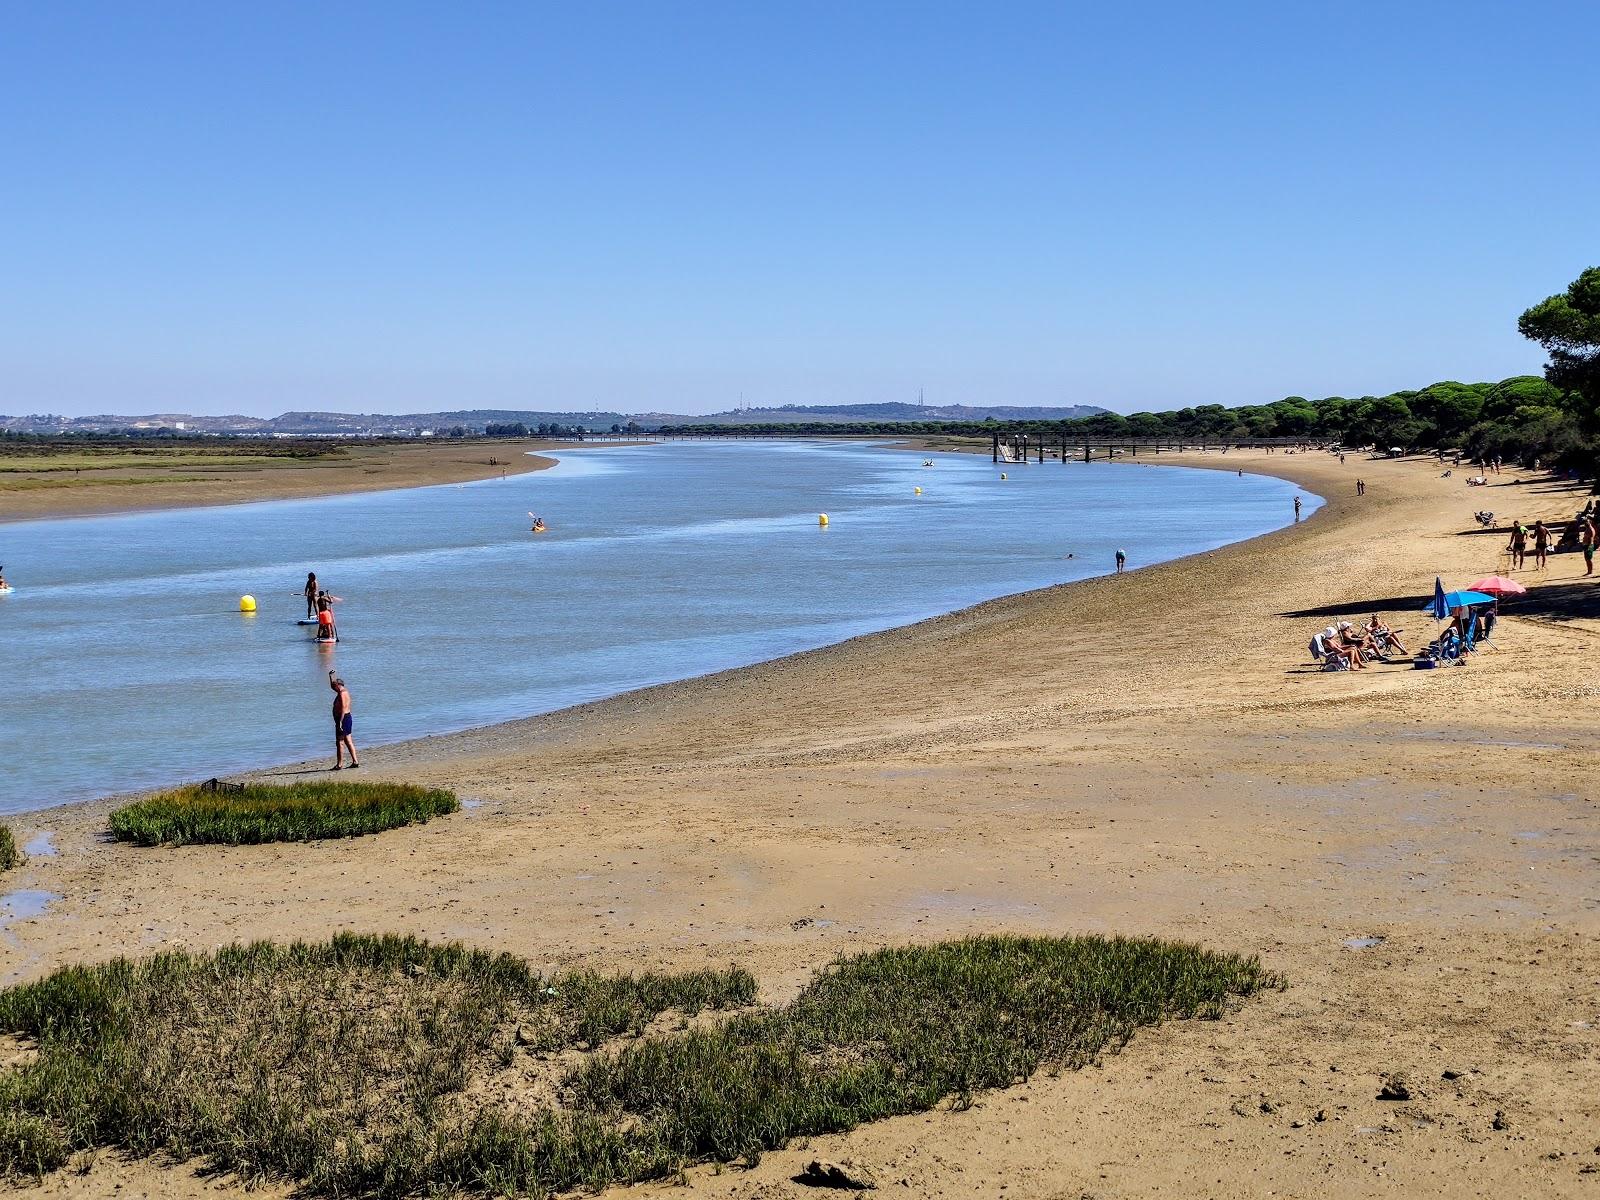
(127, 665)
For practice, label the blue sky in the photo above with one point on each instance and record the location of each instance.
(396, 207)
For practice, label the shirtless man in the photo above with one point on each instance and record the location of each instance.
(1541, 545)
(343, 723)
(1518, 546)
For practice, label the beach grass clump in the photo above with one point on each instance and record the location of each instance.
(10, 856)
(389, 1066)
(270, 812)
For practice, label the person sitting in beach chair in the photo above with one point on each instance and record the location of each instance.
(1358, 640)
(1326, 647)
(1383, 637)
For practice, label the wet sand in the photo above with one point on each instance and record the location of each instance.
(363, 468)
(1152, 754)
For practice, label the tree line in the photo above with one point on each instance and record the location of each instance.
(1552, 420)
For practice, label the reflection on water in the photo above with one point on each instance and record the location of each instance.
(128, 664)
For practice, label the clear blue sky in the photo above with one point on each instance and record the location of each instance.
(391, 207)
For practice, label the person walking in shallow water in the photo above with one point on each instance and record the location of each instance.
(343, 723)
(1122, 560)
(1297, 508)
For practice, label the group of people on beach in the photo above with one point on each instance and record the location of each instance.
(1518, 546)
(1353, 646)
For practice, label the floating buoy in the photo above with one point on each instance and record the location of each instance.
(1002, 474)
(919, 491)
(247, 604)
(822, 518)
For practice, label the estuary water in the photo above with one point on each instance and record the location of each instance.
(127, 665)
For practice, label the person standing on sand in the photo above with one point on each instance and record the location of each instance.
(343, 723)
(312, 588)
(1122, 560)
(1541, 545)
(1518, 546)
(1588, 536)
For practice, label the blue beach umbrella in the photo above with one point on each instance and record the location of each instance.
(1444, 603)
(1440, 612)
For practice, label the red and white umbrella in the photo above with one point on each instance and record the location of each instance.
(1496, 585)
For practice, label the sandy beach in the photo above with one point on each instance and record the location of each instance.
(157, 483)
(1417, 851)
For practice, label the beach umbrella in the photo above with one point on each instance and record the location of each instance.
(1450, 601)
(1498, 586)
(1437, 606)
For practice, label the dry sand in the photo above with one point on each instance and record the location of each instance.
(1147, 754)
(362, 468)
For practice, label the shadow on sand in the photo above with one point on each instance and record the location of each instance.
(1573, 600)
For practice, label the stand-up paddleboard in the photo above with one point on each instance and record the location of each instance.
(325, 641)
(305, 622)
(7, 590)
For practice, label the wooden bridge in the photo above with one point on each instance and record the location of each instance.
(1030, 447)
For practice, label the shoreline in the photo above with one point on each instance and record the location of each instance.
(369, 468)
(664, 691)
(1148, 753)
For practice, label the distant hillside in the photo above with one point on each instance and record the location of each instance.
(474, 420)
(810, 414)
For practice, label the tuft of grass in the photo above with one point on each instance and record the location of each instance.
(10, 856)
(387, 1066)
(297, 812)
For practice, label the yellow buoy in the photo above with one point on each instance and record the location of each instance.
(822, 518)
(247, 604)
(919, 491)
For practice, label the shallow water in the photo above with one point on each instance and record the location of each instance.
(128, 665)
(23, 903)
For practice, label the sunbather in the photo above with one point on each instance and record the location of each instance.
(1382, 635)
(1357, 639)
(1334, 647)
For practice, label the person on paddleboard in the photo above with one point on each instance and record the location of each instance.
(312, 589)
(326, 630)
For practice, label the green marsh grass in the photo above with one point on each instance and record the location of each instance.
(10, 856)
(388, 1066)
(296, 812)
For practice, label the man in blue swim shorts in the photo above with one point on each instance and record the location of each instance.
(343, 723)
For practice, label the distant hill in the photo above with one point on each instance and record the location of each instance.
(842, 413)
(332, 424)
